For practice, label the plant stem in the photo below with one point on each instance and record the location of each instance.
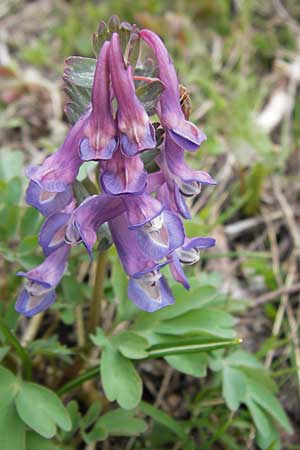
(13, 341)
(88, 375)
(95, 310)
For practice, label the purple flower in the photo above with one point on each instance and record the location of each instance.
(48, 202)
(147, 288)
(39, 292)
(136, 131)
(182, 181)
(60, 169)
(188, 254)
(123, 175)
(183, 132)
(100, 129)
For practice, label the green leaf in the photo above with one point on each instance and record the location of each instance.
(131, 345)
(37, 442)
(29, 223)
(163, 418)
(206, 320)
(50, 347)
(121, 423)
(242, 358)
(260, 419)
(99, 338)
(234, 387)
(196, 298)
(120, 380)
(264, 398)
(9, 387)
(42, 410)
(91, 416)
(194, 364)
(12, 429)
(149, 94)
(80, 70)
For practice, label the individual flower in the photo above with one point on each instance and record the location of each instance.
(136, 131)
(147, 287)
(100, 132)
(181, 181)
(188, 254)
(60, 169)
(183, 132)
(39, 292)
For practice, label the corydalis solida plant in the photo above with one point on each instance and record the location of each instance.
(143, 208)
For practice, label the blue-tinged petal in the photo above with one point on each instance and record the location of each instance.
(48, 202)
(132, 258)
(199, 243)
(178, 272)
(141, 209)
(123, 175)
(158, 238)
(60, 169)
(29, 305)
(52, 233)
(150, 292)
(48, 274)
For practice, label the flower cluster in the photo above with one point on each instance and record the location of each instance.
(143, 210)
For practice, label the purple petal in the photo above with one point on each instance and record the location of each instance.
(104, 151)
(123, 175)
(29, 305)
(48, 202)
(129, 251)
(178, 272)
(91, 214)
(150, 296)
(141, 209)
(199, 243)
(187, 135)
(60, 169)
(156, 243)
(52, 233)
(50, 271)
(174, 165)
(181, 204)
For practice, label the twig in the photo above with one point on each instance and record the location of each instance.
(269, 296)
(287, 210)
(164, 386)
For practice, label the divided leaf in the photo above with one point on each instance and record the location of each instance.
(121, 382)
(42, 410)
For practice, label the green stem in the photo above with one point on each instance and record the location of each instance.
(13, 341)
(88, 375)
(95, 310)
